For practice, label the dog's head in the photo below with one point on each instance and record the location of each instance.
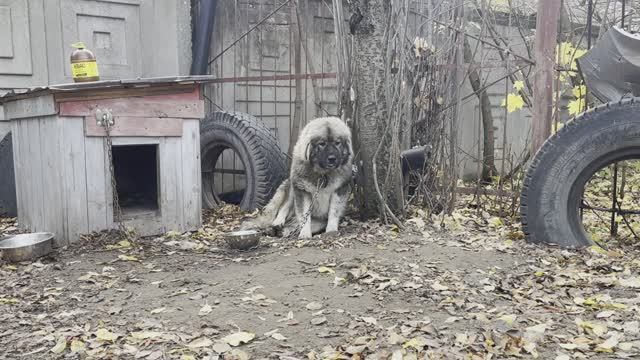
(329, 152)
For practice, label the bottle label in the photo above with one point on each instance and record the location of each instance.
(84, 69)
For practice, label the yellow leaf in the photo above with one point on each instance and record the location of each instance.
(518, 85)
(6, 301)
(417, 343)
(158, 310)
(124, 244)
(495, 222)
(508, 319)
(187, 357)
(579, 91)
(238, 338)
(60, 346)
(127, 258)
(326, 270)
(598, 249)
(143, 335)
(513, 102)
(77, 346)
(106, 335)
(577, 106)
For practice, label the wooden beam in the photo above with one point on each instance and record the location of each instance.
(545, 46)
(136, 126)
(152, 106)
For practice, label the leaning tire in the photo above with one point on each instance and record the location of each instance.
(555, 180)
(265, 164)
(7, 179)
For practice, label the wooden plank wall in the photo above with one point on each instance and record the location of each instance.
(64, 181)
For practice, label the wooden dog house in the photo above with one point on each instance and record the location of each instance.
(62, 168)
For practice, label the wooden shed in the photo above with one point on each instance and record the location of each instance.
(62, 167)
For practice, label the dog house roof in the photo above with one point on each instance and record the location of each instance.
(105, 84)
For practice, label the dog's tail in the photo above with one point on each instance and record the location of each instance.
(278, 206)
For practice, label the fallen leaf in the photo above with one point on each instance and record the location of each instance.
(439, 287)
(633, 282)
(508, 319)
(127, 258)
(326, 270)
(60, 346)
(278, 336)
(417, 343)
(319, 320)
(77, 346)
(608, 345)
(187, 357)
(314, 306)
(143, 335)
(221, 347)
(238, 338)
(535, 333)
(106, 335)
(605, 314)
(597, 328)
(200, 343)
(206, 309)
(238, 354)
(370, 320)
(158, 310)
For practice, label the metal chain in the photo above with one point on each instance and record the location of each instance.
(107, 124)
(307, 215)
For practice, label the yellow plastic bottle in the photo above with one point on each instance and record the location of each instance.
(84, 67)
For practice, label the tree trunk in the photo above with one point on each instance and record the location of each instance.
(488, 148)
(545, 47)
(368, 21)
(297, 111)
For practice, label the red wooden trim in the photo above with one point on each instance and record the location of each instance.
(165, 106)
(136, 126)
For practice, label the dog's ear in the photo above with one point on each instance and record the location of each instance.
(346, 149)
(306, 151)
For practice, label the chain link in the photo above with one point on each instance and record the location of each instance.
(296, 230)
(108, 123)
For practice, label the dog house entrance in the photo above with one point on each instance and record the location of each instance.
(136, 173)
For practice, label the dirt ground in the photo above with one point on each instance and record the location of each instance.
(466, 292)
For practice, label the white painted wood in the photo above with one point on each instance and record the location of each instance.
(170, 160)
(96, 183)
(52, 180)
(37, 174)
(191, 176)
(18, 167)
(30, 108)
(25, 174)
(75, 177)
(135, 141)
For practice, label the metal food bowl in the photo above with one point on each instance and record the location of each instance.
(243, 239)
(21, 247)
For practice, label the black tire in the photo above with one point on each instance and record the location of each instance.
(265, 164)
(556, 178)
(8, 204)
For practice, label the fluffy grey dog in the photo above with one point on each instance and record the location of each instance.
(315, 195)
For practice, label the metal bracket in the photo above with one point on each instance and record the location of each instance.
(104, 117)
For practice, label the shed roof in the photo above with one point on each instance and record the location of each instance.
(105, 85)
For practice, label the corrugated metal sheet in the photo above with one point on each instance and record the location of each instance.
(106, 84)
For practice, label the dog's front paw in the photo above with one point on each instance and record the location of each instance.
(331, 229)
(305, 234)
